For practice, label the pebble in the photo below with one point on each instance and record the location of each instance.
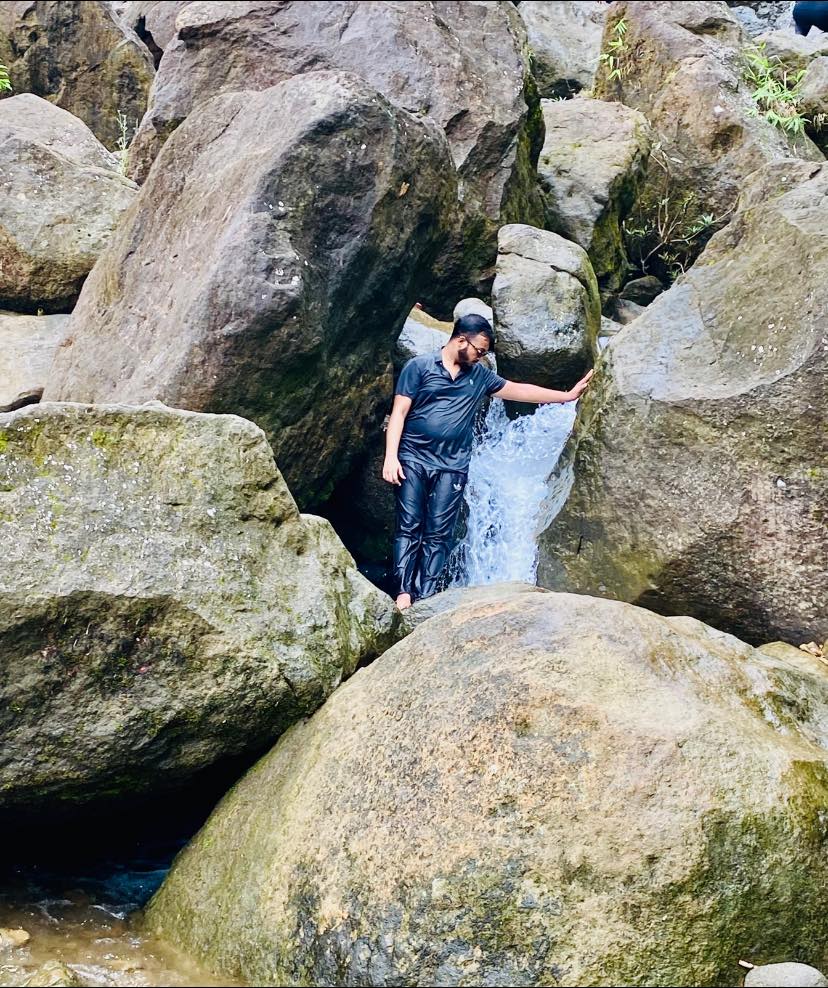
(12, 938)
(785, 976)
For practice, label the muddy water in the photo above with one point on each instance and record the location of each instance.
(85, 913)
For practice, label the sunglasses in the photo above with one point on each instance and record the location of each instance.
(477, 350)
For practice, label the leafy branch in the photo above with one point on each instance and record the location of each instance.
(776, 93)
(616, 48)
(5, 81)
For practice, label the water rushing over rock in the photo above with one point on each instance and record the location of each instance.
(507, 495)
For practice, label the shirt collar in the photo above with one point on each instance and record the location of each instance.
(438, 359)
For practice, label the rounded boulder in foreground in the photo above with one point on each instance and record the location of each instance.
(543, 789)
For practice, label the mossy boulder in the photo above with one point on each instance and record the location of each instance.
(80, 57)
(163, 604)
(591, 168)
(680, 65)
(528, 790)
(63, 196)
(699, 455)
(546, 307)
(267, 268)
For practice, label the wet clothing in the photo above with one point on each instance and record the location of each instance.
(439, 427)
(812, 14)
(435, 450)
(428, 502)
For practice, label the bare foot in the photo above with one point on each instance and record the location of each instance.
(404, 601)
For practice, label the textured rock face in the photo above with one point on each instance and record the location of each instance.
(27, 348)
(154, 22)
(546, 305)
(62, 198)
(591, 168)
(460, 64)
(565, 39)
(700, 454)
(80, 57)
(793, 52)
(680, 67)
(539, 789)
(763, 15)
(815, 100)
(162, 603)
(243, 295)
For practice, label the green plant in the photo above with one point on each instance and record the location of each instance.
(667, 228)
(776, 93)
(5, 81)
(616, 48)
(124, 140)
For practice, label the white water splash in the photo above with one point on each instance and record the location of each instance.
(507, 496)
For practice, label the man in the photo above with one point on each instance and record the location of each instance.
(428, 447)
(810, 14)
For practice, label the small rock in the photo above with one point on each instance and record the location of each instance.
(12, 938)
(53, 974)
(624, 311)
(473, 306)
(785, 976)
(642, 291)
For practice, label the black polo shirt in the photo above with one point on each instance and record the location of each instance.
(439, 426)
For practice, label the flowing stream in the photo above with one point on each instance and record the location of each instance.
(507, 496)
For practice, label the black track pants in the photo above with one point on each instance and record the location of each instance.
(808, 15)
(427, 505)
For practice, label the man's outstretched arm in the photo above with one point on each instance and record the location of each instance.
(515, 391)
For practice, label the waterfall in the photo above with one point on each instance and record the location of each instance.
(507, 496)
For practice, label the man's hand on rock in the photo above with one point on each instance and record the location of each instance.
(392, 471)
(577, 390)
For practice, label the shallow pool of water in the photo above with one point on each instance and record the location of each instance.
(83, 910)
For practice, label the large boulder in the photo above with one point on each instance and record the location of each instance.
(700, 454)
(532, 790)
(62, 198)
(163, 604)
(591, 169)
(680, 64)
(460, 64)
(565, 41)
(80, 57)
(546, 306)
(28, 345)
(266, 269)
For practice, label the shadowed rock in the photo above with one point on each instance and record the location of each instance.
(266, 270)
